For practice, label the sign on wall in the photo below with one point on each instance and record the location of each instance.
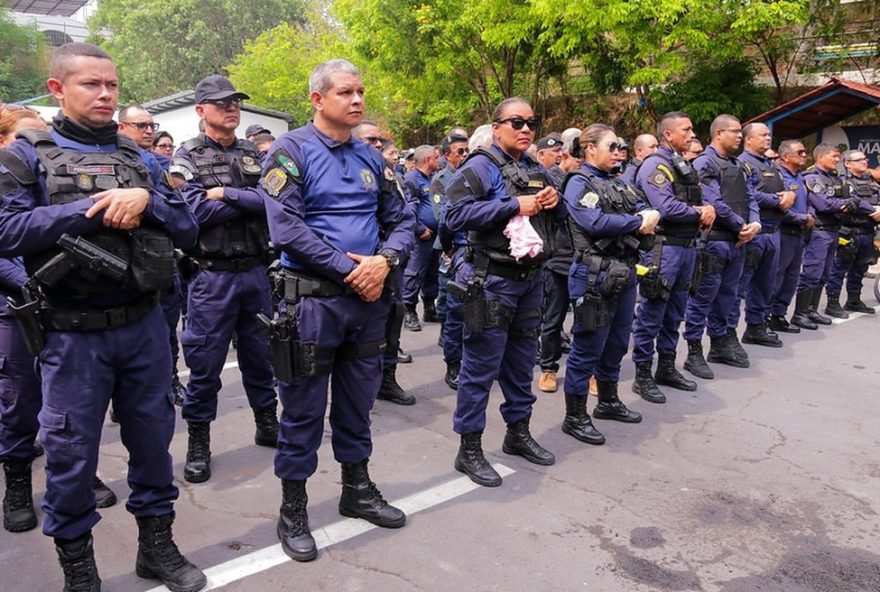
(865, 138)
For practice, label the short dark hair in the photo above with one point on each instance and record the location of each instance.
(161, 135)
(665, 122)
(59, 66)
(787, 147)
(719, 122)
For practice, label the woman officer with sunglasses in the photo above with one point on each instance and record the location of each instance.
(500, 295)
(608, 226)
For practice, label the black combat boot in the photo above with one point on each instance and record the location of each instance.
(519, 441)
(159, 558)
(430, 313)
(293, 522)
(611, 407)
(77, 559)
(668, 375)
(198, 452)
(411, 318)
(760, 335)
(362, 499)
(471, 462)
(452, 371)
(695, 362)
(104, 496)
(815, 316)
(854, 304)
(802, 306)
(780, 323)
(390, 391)
(720, 352)
(577, 423)
(266, 421)
(644, 384)
(177, 388)
(736, 347)
(833, 308)
(18, 502)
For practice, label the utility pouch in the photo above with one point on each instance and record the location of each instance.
(752, 257)
(616, 279)
(152, 260)
(654, 286)
(587, 312)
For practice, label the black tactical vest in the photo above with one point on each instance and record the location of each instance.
(732, 179)
(770, 182)
(864, 188)
(832, 186)
(72, 175)
(686, 188)
(519, 179)
(238, 166)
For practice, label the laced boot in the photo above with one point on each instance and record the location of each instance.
(668, 375)
(780, 323)
(198, 452)
(577, 423)
(760, 335)
(266, 421)
(104, 496)
(815, 316)
(18, 502)
(736, 347)
(854, 304)
(362, 499)
(453, 369)
(611, 407)
(390, 391)
(471, 462)
(833, 308)
(644, 384)
(159, 558)
(519, 441)
(430, 312)
(801, 317)
(411, 318)
(293, 522)
(695, 362)
(77, 559)
(721, 352)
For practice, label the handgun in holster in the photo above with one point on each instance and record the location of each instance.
(28, 317)
(473, 304)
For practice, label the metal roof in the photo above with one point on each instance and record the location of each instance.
(188, 97)
(50, 7)
(819, 108)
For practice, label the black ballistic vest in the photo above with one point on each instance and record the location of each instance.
(832, 186)
(239, 166)
(770, 182)
(734, 186)
(686, 188)
(865, 188)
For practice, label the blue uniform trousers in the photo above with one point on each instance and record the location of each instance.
(758, 281)
(171, 301)
(329, 322)
(854, 270)
(421, 272)
(222, 303)
(393, 329)
(791, 253)
(710, 307)
(657, 319)
(556, 303)
(81, 374)
(818, 256)
(598, 353)
(508, 355)
(20, 395)
(453, 326)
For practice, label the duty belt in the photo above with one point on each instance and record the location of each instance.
(827, 227)
(791, 230)
(97, 320)
(676, 241)
(771, 229)
(722, 235)
(234, 265)
(511, 272)
(859, 230)
(298, 285)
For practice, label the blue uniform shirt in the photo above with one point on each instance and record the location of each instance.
(797, 213)
(325, 198)
(820, 185)
(416, 185)
(724, 216)
(662, 197)
(12, 276)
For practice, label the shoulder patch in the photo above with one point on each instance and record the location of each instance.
(661, 177)
(389, 175)
(286, 161)
(18, 169)
(589, 200)
(274, 181)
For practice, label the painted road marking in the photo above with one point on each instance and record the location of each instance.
(269, 557)
(853, 315)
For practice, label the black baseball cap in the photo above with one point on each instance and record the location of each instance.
(451, 139)
(217, 88)
(254, 129)
(551, 141)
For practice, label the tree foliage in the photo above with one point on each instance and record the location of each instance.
(164, 47)
(23, 60)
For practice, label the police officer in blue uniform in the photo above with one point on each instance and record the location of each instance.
(329, 198)
(761, 265)
(500, 295)
(606, 221)
(737, 222)
(97, 237)
(857, 229)
(793, 229)
(671, 186)
(231, 285)
(828, 194)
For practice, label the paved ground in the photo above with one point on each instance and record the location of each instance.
(765, 479)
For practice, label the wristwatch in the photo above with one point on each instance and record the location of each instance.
(391, 257)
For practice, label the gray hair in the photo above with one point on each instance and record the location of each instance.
(788, 147)
(568, 137)
(852, 155)
(423, 153)
(321, 79)
(481, 137)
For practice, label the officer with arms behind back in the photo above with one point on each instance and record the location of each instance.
(500, 296)
(329, 199)
(97, 241)
(230, 285)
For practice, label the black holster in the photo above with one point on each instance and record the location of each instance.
(592, 312)
(281, 331)
(752, 257)
(28, 317)
(654, 286)
(473, 304)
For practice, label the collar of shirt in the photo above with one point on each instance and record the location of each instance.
(595, 171)
(327, 140)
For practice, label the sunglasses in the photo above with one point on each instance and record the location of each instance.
(224, 103)
(614, 147)
(372, 140)
(142, 126)
(462, 151)
(518, 123)
(801, 152)
(165, 146)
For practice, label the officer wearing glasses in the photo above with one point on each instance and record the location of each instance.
(230, 285)
(163, 145)
(500, 295)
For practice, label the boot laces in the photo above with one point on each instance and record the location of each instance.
(18, 492)
(79, 574)
(198, 449)
(165, 550)
(374, 493)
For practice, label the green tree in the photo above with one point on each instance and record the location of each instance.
(165, 47)
(23, 60)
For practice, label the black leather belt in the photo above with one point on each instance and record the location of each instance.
(769, 229)
(523, 274)
(97, 320)
(827, 227)
(791, 230)
(722, 235)
(677, 241)
(298, 285)
(234, 265)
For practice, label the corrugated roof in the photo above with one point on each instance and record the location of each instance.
(49, 7)
(819, 108)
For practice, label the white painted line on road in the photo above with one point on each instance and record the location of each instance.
(269, 557)
(854, 315)
(226, 366)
